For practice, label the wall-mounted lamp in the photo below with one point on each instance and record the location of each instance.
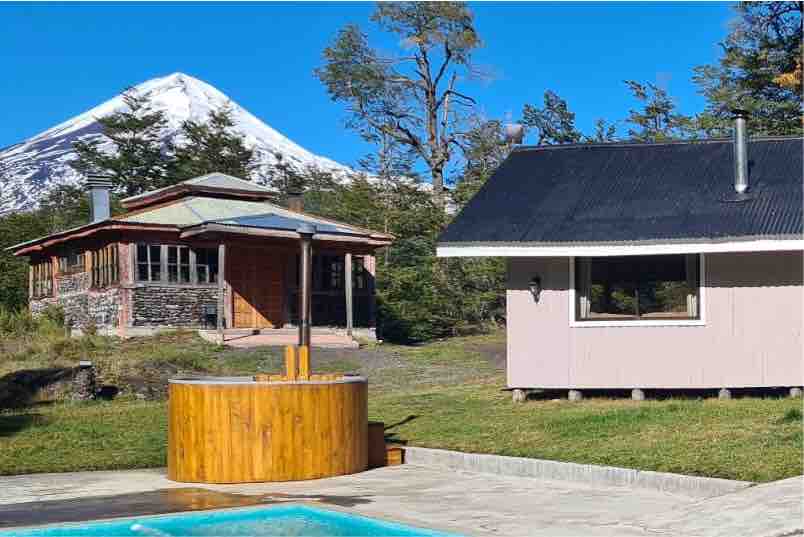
(535, 286)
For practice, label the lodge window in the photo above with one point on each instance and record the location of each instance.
(359, 273)
(176, 264)
(332, 272)
(105, 266)
(206, 265)
(634, 288)
(42, 279)
(149, 262)
(71, 262)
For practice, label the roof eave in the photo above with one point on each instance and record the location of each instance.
(212, 227)
(622, 248)
(35, 245)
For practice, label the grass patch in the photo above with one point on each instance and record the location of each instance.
(83, 436)
(447, 394)
(738, 439)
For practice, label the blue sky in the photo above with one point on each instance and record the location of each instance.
(58, 60)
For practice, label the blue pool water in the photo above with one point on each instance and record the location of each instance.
(284, 520)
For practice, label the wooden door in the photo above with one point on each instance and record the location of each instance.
(256, 277)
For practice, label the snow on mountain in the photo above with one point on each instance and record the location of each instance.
(31, 168)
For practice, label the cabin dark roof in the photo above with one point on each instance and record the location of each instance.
(603, 193)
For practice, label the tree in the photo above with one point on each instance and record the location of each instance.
(413, 98)
(212, 146)
(759, 71)
(62, 208)
(604, 132)
(136, 162)
(553, 122)
(485, 149)
(657, 120)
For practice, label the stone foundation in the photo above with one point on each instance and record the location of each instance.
(180, 306)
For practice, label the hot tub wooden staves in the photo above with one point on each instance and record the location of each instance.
(235, 430)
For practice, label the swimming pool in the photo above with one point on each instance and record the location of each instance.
(283, 520)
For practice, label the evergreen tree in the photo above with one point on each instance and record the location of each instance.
(759, 71)
(285, 179)
(484, 151)
(553, 122)
(657, 120)
(212, 146)
(604, 132)
(413, 98)
(62, 208)
(137, 162)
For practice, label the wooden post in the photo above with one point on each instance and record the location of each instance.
(291, 365)
(221, 290)
(304, 363)
(370, 272)
(347, 286)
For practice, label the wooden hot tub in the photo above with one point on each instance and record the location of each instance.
(238, 430)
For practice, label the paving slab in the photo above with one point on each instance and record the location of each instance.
(464, 503)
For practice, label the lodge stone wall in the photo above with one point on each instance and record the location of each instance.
(82, 306)
(157, 305)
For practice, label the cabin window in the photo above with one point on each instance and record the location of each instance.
(206, 265)
(332, 268)
(72, 262)
(105, 266)
(637, 288)
(359, 273)
(42, 279)
(178, 264)
(149, 262)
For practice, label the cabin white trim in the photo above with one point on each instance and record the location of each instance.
(761, 245)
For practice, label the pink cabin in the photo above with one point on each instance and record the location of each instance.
(646, 266)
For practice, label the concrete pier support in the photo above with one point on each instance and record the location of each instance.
(637, 394)
(574, 395)
(519, 396)
(724, 393)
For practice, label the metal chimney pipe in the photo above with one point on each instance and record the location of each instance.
(514, 133)
(306, 232)
(740, 151)
(99, 187)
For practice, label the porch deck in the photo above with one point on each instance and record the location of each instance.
(328, 338)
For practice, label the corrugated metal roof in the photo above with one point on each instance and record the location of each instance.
(211, 180)
(635, 192)
(290, 223)
(195, 210)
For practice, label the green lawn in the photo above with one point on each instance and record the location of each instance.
(448, 395)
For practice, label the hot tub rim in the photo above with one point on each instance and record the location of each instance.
(249, 380)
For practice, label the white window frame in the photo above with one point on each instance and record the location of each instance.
(701, 321)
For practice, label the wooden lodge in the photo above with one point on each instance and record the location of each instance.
(212, 252)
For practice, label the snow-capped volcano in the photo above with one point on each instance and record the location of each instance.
(30, 168)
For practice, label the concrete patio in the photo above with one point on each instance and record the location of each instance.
(324, 338)
(455, 501)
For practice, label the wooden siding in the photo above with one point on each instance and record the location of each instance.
(252, 432)
(751, 335)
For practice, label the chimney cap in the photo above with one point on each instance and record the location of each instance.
(740, 113)
(99, 180)
(306, 228)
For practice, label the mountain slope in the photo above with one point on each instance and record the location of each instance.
(31, 168)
